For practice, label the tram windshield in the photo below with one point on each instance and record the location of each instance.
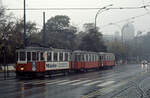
(22, 56)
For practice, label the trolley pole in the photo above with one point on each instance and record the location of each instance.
(25, 43)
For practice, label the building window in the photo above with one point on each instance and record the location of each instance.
(22, 56)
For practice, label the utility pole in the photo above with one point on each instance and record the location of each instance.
(44, 29)
(25, 43)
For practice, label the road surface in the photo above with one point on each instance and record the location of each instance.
(123, 81)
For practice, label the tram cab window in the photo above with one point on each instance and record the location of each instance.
(49, 56)
(17, 56)
(28, 56)
(34, 56)
(41, 56)
(60, 56)
(22, 56)
(55, 57)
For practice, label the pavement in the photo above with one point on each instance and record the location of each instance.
(123, 81)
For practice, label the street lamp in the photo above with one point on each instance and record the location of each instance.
(98, 12)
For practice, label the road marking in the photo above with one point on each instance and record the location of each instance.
(91, 83)
(68, 82)
(104, 91)
(43, 81)
(57, 82)
(106, 83)
(31, 82)
(81, 82)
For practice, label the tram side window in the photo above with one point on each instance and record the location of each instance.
(28, 56)
(76, 57)
(102, 58)
(22, 56)
(66, 56)
(41, 56)
(61, 56)
(49, 56)
(34, 56)
(87, 57)
(55, 56)
(79, 57)
(93, 58)
(37, 57)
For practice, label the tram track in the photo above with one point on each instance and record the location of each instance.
(138, 86)
(132, 83)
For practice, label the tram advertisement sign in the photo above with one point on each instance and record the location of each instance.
(56, 65)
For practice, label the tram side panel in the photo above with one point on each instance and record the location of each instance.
(57, 62)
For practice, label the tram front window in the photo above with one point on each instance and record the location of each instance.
(22, 56)
(17, 56)
(29, 56)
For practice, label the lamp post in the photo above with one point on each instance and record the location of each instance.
(98, 12)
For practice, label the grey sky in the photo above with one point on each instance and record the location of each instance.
(78, 17)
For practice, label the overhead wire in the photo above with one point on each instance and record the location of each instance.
(87, 8)
(146, 7)
(120, 21)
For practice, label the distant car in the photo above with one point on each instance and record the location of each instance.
(144, 62)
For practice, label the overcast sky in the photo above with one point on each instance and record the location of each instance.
(79, 17)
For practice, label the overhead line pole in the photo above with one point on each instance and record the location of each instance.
(25, 43)
(44, 29)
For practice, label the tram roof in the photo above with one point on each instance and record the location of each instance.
(41, 49)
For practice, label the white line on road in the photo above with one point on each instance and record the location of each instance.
(57, 82)
(106, 83)
(68, 82)
(92, 83)
(81, 82)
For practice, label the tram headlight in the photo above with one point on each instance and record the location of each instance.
(22, 68)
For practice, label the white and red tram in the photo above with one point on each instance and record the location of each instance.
(38, 61)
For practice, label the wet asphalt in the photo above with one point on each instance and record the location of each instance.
(122, 81)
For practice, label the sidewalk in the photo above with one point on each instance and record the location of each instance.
(11, 75)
